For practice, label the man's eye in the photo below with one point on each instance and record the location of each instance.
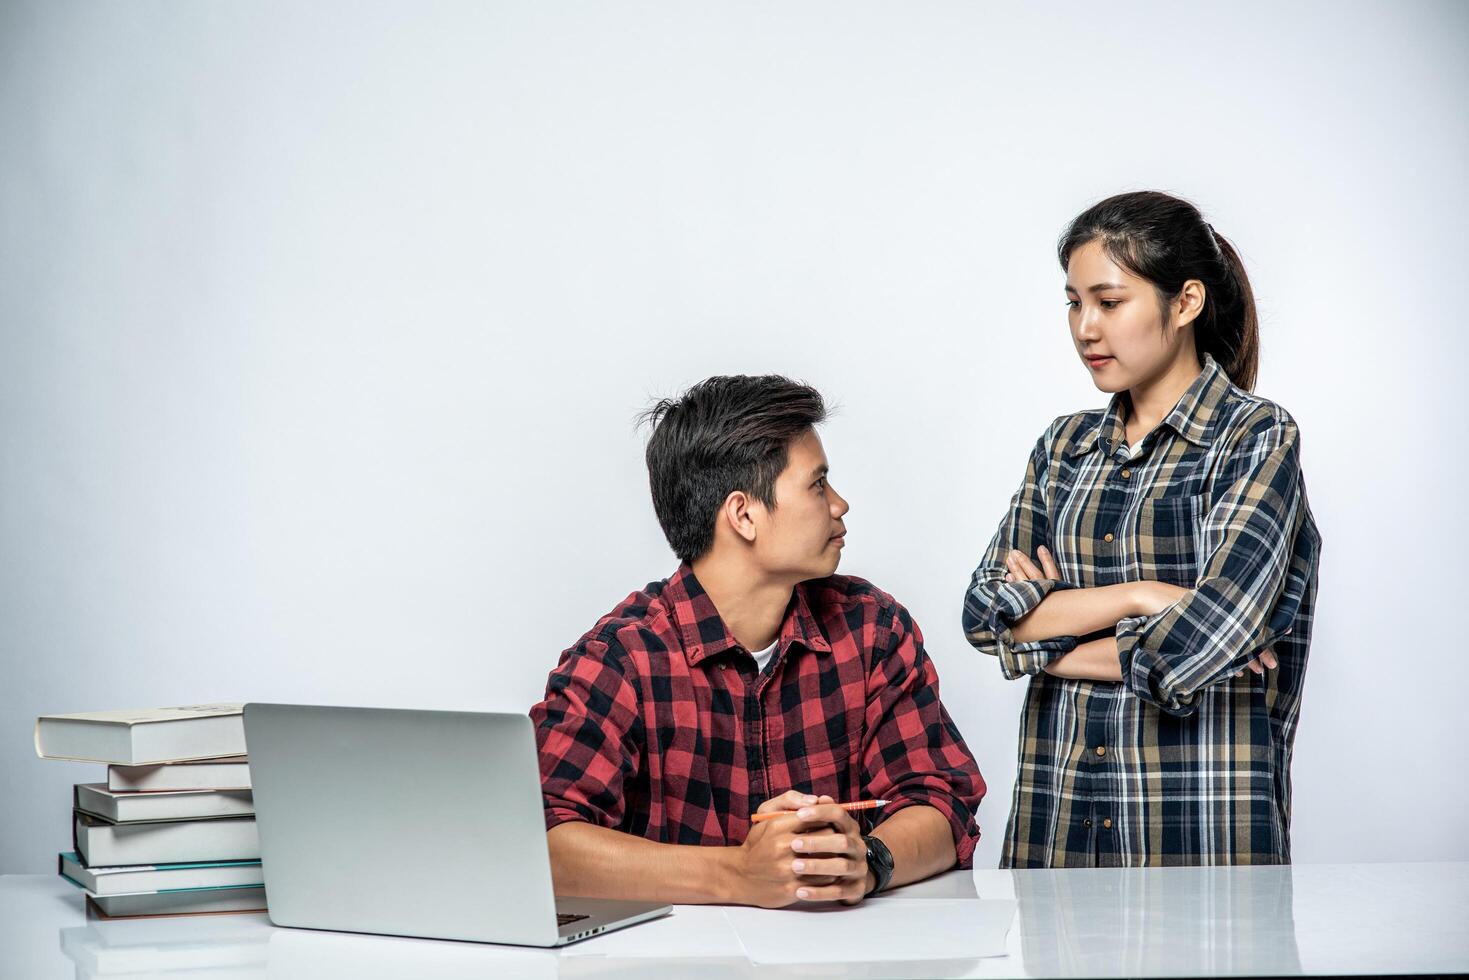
(819, 485)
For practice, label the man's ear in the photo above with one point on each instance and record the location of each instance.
(736, 514)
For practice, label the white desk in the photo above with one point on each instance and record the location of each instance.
(1361, 918)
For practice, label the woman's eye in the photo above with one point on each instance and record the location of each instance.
(1111, 304)
(1072, 304)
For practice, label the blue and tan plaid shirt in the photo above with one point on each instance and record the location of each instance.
(1183, 762)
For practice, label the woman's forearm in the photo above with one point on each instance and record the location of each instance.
(1094, 660)
(1077, 612)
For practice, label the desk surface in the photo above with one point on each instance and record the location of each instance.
(1355, 918)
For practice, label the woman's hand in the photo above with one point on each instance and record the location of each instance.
(1266, 658)
(1019, 567)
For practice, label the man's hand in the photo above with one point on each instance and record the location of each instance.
(814, 852)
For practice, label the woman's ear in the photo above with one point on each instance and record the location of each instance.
(1189, 303)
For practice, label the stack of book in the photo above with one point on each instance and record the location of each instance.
(172, 830)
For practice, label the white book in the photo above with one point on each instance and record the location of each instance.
(231, 773)
(140, 736)
(197, 804)
(130, 879)
(103, 844)
(190, 901)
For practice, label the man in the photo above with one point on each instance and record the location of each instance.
(753, 679)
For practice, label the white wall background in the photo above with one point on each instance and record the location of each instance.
(322, 329)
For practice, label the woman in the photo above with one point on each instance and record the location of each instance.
(1156, 573)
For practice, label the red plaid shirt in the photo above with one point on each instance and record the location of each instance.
(657, 723)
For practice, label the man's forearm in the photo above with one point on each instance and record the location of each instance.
(921, 841)
(595, 862)
(1077, 612)
(1094, 660)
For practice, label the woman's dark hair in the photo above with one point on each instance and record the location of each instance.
(1166, 241)
(723, 434)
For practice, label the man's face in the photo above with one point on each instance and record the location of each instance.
(802, 536)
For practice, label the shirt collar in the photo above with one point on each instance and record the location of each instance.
(1194, 417)
(704, 633)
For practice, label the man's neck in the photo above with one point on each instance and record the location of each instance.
(752, 606)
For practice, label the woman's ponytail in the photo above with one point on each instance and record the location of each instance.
(1231, 334)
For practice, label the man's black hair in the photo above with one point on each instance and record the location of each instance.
(723, 434)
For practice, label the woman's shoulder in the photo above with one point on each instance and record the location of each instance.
(1244, 416)
(1071, 431)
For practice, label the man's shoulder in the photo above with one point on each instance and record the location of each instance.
(840, 595)
(640, 621)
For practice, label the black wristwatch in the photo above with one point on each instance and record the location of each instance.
(879, 862)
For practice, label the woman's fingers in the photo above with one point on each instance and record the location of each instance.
(1268, 657)
(1255, 666)
(1023, 567)
(1048, 563)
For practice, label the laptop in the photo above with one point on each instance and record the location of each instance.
(411, 823)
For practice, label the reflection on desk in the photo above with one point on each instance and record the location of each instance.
(1405, 918)
(1145, 922)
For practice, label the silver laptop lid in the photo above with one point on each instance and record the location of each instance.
(407, 823)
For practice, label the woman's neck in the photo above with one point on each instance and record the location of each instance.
(1151, 400)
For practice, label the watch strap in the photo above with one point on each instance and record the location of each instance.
(879, 862)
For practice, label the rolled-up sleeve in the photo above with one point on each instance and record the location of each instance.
(588, 731)
(912, 753)
(1241, 599)
(993, 606)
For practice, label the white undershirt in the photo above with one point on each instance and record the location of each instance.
(762, 657)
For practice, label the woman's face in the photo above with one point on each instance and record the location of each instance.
(1118, 323)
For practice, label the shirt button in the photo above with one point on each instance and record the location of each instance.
(1101, 750)
(1126, 474)
(1107, 823)
(1087, 823)
(1107, 537)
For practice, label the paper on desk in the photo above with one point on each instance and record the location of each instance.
(877, 930)
(690, 931)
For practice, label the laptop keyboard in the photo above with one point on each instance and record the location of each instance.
(567, 918)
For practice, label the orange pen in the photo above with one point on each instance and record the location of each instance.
(849, 807)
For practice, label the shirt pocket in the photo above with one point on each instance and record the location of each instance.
(825, 768)
(1167, 541)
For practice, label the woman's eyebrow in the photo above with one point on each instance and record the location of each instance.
(1100, 287)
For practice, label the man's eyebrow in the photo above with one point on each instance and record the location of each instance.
(820, 471)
